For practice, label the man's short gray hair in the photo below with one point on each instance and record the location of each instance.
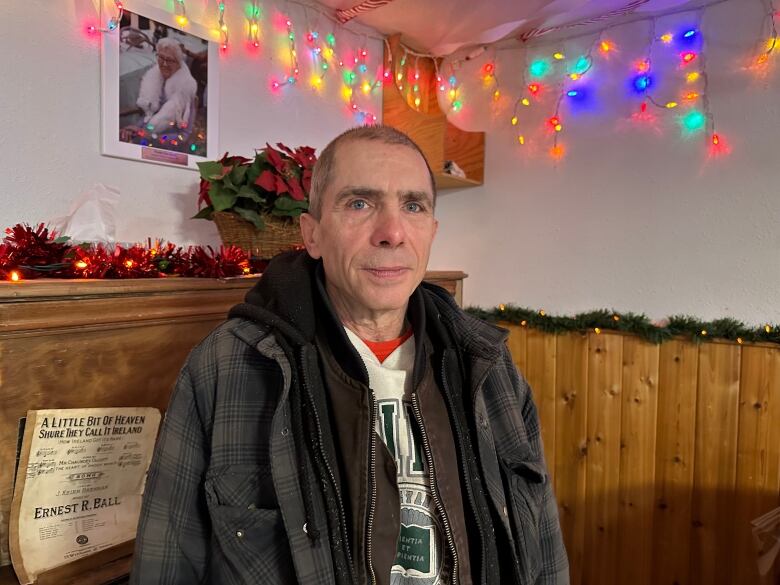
(175, 46)
(322, 174)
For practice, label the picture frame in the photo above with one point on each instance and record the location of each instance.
(159, 89)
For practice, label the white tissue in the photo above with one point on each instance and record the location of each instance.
(91, 217)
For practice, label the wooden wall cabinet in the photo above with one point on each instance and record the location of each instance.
(428, 126)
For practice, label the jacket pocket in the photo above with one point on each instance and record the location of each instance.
(250, 542)
(526, 482)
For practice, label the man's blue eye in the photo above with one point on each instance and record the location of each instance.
(412, 206)
(358, 204)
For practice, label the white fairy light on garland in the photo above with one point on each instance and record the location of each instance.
(181, 13)
(113, 22)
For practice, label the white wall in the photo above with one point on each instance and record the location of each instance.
(629, 220)
(50, 115)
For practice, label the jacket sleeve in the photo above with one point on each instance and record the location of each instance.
(554, 562)
(174, 527)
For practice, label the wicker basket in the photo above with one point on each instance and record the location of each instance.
(278, 236)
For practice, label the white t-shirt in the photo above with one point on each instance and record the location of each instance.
(420, 556)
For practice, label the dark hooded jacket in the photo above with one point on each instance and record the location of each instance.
(249, 483)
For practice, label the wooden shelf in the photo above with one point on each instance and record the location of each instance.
(445, 181)
(427, 125)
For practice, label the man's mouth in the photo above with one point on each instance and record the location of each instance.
(387, 271)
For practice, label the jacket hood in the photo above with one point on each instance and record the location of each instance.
(283, 299)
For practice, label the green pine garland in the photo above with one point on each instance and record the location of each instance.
(636, 324)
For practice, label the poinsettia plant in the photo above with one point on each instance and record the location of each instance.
(275, 182)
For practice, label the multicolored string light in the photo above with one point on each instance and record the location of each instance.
(181, 13)
(254, 25)
(292, 76)
(113, 22)
(223, 29)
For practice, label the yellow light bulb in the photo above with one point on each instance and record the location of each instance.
(772, 44)
(514, 120)
(671, 105)
(667, 38)
(366, 87)
(525, 102)
(417, 102)
(346, 92)
(574, 76)
(704, 332)
(129, 263)
(316, 81)
(768, 328)
(502, 307)
(182, 20)
(399, 77)
(223, 28)
(558, 127)
(81, 264)
(597, 330)
(328, 53)
(15, 276)
(692, 76)
(496, 94)
(452, 94)
(559, 56)
(542, 313)
(521, 139)
(254, 27)
(739, 340)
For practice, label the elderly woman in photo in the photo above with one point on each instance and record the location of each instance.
(167, 90)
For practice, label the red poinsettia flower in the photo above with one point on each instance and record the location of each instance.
(284, 176)
(203, 193)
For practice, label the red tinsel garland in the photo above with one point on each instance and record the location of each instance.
(28, 252)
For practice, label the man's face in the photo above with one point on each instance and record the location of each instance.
(167, 62)
(376, 228)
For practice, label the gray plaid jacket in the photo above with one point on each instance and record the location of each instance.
(223, 502)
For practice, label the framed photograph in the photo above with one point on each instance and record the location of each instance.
(159, 89)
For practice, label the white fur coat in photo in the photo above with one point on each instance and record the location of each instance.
(167, 104)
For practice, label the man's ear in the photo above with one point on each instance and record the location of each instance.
(310, 233)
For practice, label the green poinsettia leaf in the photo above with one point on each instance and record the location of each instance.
(253, 171)
(251, 216)
(246, 192)
(286, 203)
(228, 183)
(222, 198)
(62, 239)
(210, 170)
(286, 213)
(238, 174)
(205, 213)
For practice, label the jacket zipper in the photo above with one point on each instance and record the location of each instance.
(328, 468)
(466, 472)
(371, 487)
(434, 490)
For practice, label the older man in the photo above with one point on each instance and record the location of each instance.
(349, 424)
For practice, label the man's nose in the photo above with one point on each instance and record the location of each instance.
(389, 229)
